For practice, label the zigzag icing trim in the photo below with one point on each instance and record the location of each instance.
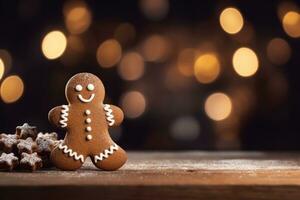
(109, 115)
(64, 116)
(71, 153)
(107, 152)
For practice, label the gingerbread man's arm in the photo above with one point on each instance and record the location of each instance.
(58, 116)
(114, 115)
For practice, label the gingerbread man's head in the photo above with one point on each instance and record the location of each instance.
(85, 88)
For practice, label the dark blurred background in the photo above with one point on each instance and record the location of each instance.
(207, 75)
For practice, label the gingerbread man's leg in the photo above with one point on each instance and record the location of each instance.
(112, 158)
(65, 158)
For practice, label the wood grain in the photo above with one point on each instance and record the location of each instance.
(175, 175)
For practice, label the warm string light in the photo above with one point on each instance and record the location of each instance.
(11, 89)
(54, 44)
(109, 53)
(231, 20)
(218, 106)
(207, 68)
(2, 68)
(6, 60)
(131, 66)
(155, 9)
(291, 24)
(133, 104)
(278, 51)
(156, 48)
(77, 17)
(245, 62)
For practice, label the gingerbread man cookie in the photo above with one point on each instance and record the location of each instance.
(86, 121)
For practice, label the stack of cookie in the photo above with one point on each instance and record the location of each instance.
(26, 149)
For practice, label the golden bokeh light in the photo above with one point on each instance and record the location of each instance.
(131, 66)
(231, 20)
(186, 60)
(218, 106)
(207, 68)
(155, 9)
(133, 104)
(245, 62)
(156, 48)
(278, 51)
(77, 17)
(11, 89)
(125, 33)
(109, 53)
(54, 44)
(2, 68)
(6, 60)
(291, 24)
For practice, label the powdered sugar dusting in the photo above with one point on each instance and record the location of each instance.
(30, 159)
(8, 158)
(27, 144)
(211, 161)
(9, 140)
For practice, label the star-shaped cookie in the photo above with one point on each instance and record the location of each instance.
(8, 161)
(45, 142)
(26, 131)
(31, 161)
(28, 146)
(8, 142)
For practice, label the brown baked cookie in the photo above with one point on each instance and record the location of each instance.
(30, 161)
(28, 146)
(8, 142)
(45, 143)
(8, 161)
(26, 131)
(86, 120)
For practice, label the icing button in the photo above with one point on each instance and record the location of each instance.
(87, 112)
(88, 129)
(88, 120)
(89, 137)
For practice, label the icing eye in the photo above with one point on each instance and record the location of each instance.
(90, 87)
(78, 88)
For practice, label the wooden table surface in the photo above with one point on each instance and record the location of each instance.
(167, 175)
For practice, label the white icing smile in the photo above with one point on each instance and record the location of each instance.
(86, 100)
